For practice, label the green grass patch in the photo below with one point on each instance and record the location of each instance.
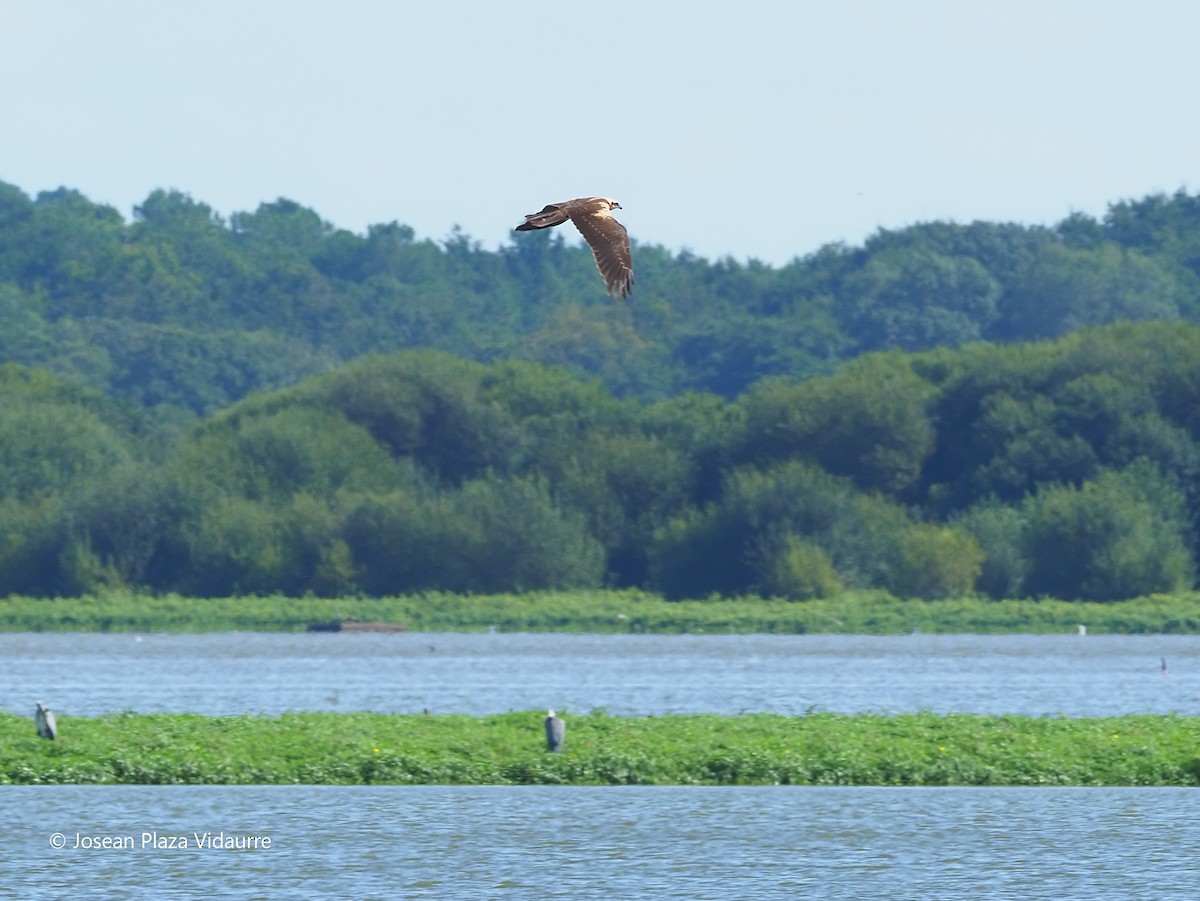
(598, 611)
(508, 749)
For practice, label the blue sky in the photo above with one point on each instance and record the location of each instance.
(747, 129)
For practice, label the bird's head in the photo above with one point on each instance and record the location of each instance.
(612, 204)
(549, 713)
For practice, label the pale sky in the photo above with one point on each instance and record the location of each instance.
(748, 129)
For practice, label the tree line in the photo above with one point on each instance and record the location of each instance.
(1067, 467)
(185, 313)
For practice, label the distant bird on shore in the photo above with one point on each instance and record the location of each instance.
(46, 725)
(605, 235)
(1082, 629)
(556, 731)
(1163, 670)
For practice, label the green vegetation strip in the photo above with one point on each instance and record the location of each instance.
(760, 749)
(870, 612)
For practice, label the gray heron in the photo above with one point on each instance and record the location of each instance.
(556, 731)
(46, 726)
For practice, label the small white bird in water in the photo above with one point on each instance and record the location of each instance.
(1082, 629)
(556, 731)
(46, 725)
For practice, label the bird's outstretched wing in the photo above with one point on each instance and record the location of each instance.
(610, 243)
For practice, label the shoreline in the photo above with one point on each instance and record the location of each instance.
(617, 611)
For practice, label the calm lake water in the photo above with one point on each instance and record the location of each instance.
(559, 842)
(84, 674)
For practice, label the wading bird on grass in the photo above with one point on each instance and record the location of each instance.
(605, 235)
(556, 731)
(46, 726)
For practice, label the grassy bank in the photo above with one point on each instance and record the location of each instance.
(599, 611)
(819, 749)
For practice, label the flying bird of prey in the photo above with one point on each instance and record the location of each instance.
(605, 235)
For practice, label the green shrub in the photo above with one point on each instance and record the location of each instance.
(799, 570)
(492, 534)
(1000, 531)
(935, 562)
(1117, 536)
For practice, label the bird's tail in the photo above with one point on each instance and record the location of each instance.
(550, 215)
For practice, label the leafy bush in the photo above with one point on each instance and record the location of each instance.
(800, 570)
(1119, 535)
(490, 535)
(1000, 531)
(868, 422)
(935, 562)
(734, 545)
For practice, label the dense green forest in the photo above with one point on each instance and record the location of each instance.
(179, 310)
(269, 404)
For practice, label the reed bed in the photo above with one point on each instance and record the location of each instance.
(922, 749)
(598, 611)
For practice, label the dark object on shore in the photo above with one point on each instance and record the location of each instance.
(46, 725)
(338, 625)
(556, 731)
